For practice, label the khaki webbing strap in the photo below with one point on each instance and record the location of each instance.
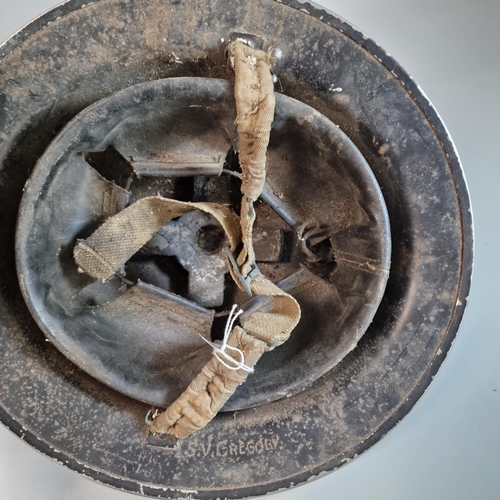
(209, 391)
(273, 327)
(254, 95)
(108, 249)
(215, 384)
(121, 236)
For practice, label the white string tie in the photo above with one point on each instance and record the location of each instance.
(219, 350)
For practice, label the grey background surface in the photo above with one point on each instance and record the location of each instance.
(448, 447)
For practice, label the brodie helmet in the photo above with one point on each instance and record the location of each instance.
(135, 213)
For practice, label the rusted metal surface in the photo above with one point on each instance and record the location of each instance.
(79, 53)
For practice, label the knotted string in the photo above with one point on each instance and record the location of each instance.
(220, 350)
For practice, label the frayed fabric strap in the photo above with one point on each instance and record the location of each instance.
(111, 245)
(255, 102)
(104, 253)
(216, 383)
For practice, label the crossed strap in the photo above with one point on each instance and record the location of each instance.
(106, 251)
